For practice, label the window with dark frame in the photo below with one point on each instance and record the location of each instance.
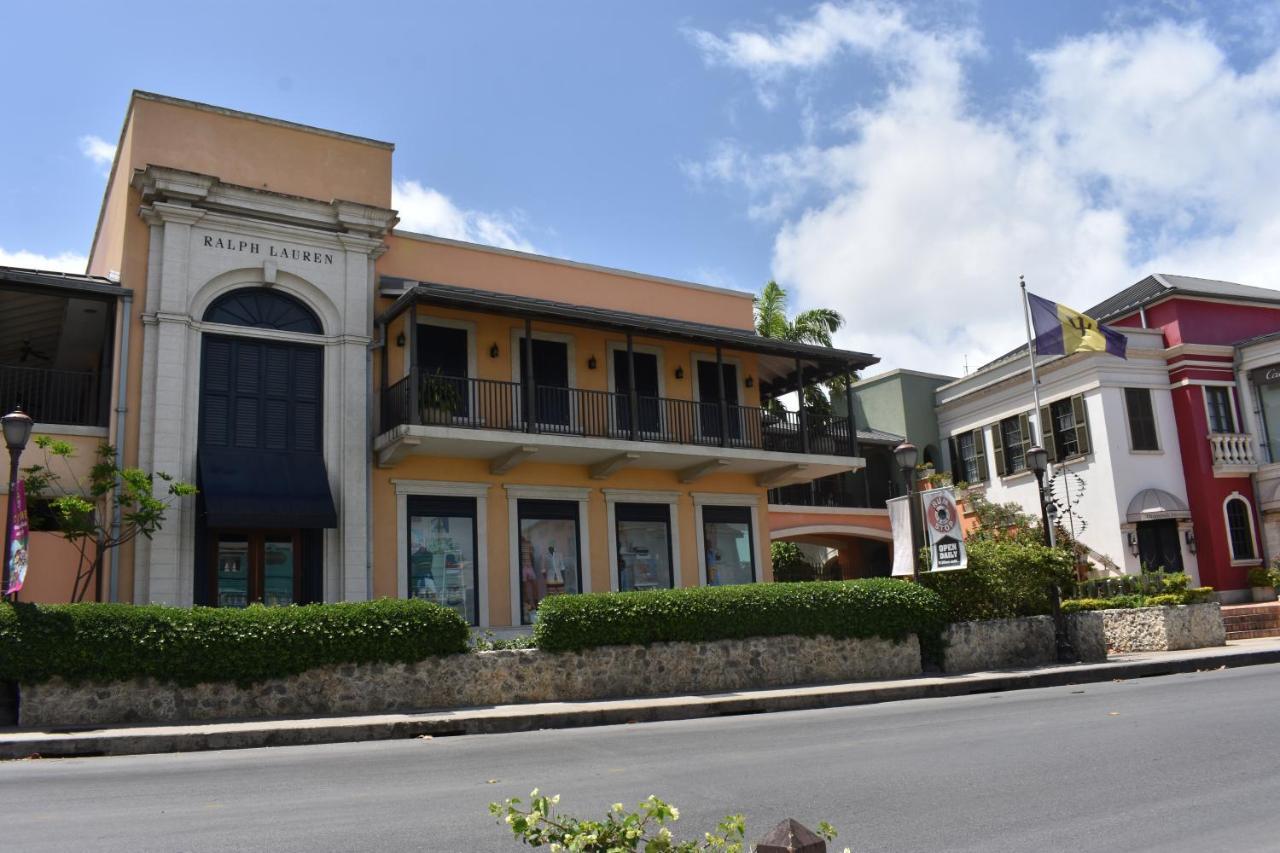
(1240, 530)
(643, 532)
(1221, 413)
(1142, 419)
(550, 558)
(1014, 441)
(1062, 422)
(442, 560)
(728, 545)
(969, 457)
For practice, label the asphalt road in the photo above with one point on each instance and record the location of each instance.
(1183, 762)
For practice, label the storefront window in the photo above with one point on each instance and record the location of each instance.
(644, 546)
(442, 553)
(549, 559)
(233, 571)
(726, 534)
(277, 571)
(1267, 382)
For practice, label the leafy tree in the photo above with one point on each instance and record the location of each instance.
(815, 326)
(82, 505)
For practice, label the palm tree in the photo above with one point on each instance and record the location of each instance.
(815, 326)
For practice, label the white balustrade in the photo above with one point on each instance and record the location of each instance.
(1232, 449)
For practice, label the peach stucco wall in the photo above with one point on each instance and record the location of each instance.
(527, 275)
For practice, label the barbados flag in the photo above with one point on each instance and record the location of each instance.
(1060, 330)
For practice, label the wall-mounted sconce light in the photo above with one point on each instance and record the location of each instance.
(591, 363)
(1133, 543)
(748, 382)
(1190, 538)
(493, 351)
(679, 373)
(400, 339)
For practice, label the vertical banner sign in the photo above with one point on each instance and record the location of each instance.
(17, 555)
(900, 524)
(942, 526)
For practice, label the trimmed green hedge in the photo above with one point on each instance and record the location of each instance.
(879, 607)
(189, 646)
(1196, 595)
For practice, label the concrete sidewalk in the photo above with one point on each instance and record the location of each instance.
(136, 739)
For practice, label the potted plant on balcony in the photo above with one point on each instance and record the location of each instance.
(438, 398)
(1262, 582)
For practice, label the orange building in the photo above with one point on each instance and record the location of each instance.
(369, 412)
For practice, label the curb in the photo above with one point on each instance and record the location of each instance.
(138, 740)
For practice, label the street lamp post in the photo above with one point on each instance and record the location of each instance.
(17, 429)
(906, 456)
(1038, 462)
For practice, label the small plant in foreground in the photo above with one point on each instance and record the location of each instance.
(644, 829)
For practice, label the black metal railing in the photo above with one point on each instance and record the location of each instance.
(841, 490)
(437, 400)
(53, 396)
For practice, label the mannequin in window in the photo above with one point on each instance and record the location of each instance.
(528, 576)
(553, 571)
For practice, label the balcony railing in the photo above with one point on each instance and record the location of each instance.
(490, 404)
(53, 396)
(1232, 450)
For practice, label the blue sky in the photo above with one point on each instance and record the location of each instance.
(902, 163)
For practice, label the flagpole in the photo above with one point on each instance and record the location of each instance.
(1031, 353)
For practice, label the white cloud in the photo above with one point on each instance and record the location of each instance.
(65, 262)
(430, 211)
(98, 150)
(1131, 151)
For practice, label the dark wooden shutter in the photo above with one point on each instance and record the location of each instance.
(308, 378)
(980, 452)
(215, 385)
(1046, 427)
(246, 401)
(997, 449)
(1082, 425)
(957, 465)
(1025, 434)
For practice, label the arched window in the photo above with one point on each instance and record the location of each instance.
(263, 308)
(1240, 528)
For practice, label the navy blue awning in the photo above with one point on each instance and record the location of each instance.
(256, 489)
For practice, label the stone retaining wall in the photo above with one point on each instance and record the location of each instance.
(1027, 641)
(1158, 629)
(483, 678)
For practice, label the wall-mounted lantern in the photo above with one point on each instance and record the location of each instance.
(1190, 538)
(400, 339)
(679, 373)
(1133, 543)
(591, 363)
(749, 382)
(493, 350)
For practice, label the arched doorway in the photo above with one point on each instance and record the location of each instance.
(264, 493)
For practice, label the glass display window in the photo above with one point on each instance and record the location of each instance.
(442, 554)
(726, 540)
(251, 567)
(644, 546)
(549, 558)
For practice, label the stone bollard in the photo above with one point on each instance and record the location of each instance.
(790, 837)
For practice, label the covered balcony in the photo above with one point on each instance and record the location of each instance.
(730, 421)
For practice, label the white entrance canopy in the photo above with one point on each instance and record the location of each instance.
(1154, 504)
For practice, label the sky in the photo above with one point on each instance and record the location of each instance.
(903, 163)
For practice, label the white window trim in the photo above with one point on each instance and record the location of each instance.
(1255, 560)
(544, 493)
(701, 499)
(612, 497)
(1155, 420)
(1231, 406)
(445, 489)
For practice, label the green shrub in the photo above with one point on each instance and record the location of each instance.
(1199, 595)
(790, 563)
(189, 646)
(1079, 605)
(1168, 599)
(1006, 578)
(1260, 576)
(877, 607)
